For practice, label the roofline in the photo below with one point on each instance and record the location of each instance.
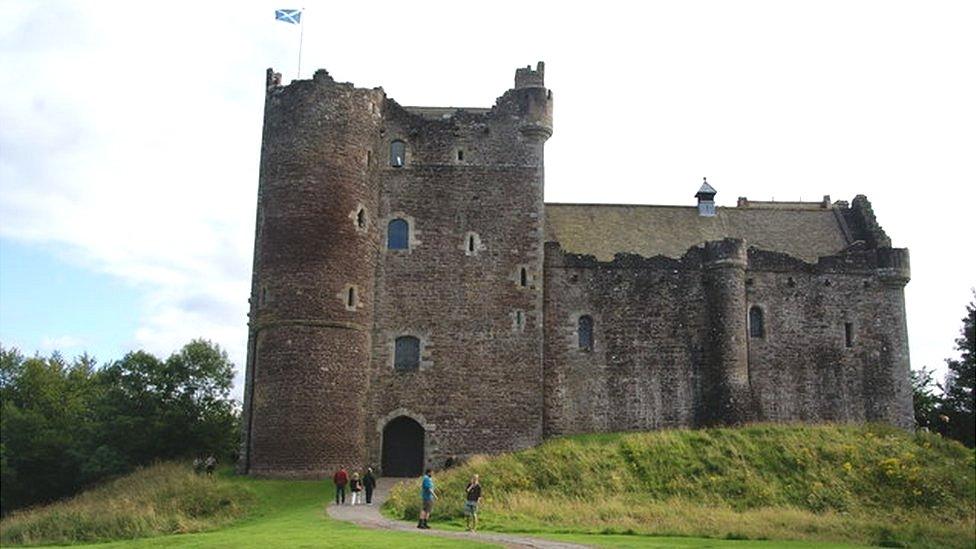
(692, 207)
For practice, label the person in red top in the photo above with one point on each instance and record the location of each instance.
(340, 479)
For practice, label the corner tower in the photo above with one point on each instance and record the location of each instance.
(313, 278)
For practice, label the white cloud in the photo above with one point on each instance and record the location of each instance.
(130, 133)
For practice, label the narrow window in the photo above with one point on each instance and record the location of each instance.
(351, 297)
(460, 155)
(398, 235)
(264, 296)
(756, 328)
(849, 334)
(519, 320)
(398, 153)
(471, 243)
(406, 355)
(585, 332)
(369, 157)
(361, 218)
(523, 277)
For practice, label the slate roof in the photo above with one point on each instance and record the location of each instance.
(803, 230)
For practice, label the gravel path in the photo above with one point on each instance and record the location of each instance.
(369, 516)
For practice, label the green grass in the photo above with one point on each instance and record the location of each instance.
(740, 488)
(839, 484)
(272, 513)
(164, 498)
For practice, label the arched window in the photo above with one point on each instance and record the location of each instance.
(406, 356)
(351, 298)
(361, 218)
(523, 277)
(471, 243)
(398, 153)
(398, 235)
(585, 332)
(756, 327)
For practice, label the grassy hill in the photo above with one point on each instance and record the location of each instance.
(168, 506)
(851, 484)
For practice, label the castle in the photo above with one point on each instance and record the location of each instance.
(414, 299)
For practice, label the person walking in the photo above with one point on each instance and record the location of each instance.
(472, 495)
(427, 497)
(340, 478)
(369, 484)
(355, 487)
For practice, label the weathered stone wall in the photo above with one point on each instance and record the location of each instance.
(308, 363)
(802, 369)
(479, 387)
(672, 347)
(649, 326)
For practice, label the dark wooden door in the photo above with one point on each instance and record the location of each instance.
(403, 448)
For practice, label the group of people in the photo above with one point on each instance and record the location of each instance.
(472, 495)
(356, 486)
(342, 480)
(200, 465)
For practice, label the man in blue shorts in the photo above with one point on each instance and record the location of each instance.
(427, 497)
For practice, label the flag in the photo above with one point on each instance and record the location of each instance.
(289, 16)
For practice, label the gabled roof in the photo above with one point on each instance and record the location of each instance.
(706, 189)
(602, 230)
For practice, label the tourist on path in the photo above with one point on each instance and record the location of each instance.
(473, 494)
(427, 497)
(355, 487)
(340, 478)
(369, 483)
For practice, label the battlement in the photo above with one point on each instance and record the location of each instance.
(528, 78)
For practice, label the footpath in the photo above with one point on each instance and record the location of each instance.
(369, 516)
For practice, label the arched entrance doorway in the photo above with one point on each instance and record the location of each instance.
(403, 448)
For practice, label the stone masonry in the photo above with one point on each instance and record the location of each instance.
(407, 266)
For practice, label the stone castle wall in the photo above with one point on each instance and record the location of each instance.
(664, 329)
(467, 175)
(496, 309)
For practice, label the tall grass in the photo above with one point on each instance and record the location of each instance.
(166, 498)
(859, 484)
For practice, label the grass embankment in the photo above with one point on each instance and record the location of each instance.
(848, 484)
(163, 499)
(152, 507)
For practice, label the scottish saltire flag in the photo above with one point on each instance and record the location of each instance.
(289, 16)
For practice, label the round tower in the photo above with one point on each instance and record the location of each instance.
(315, 253)
(727, 391)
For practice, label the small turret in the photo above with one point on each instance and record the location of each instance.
(706, 199)
(528, 78)
(535, 102)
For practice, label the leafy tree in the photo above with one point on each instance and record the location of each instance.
(42, 425)
(64, 426)
(924, 400)
(958, 404)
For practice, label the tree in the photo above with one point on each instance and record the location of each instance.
(64, 426)
(958, 403)
(925, 402)
(170, 409)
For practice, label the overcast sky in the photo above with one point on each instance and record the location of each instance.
(130, 134)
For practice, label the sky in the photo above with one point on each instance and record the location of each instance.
(130, 135)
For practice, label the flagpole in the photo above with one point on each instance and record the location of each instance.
(301, 35)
